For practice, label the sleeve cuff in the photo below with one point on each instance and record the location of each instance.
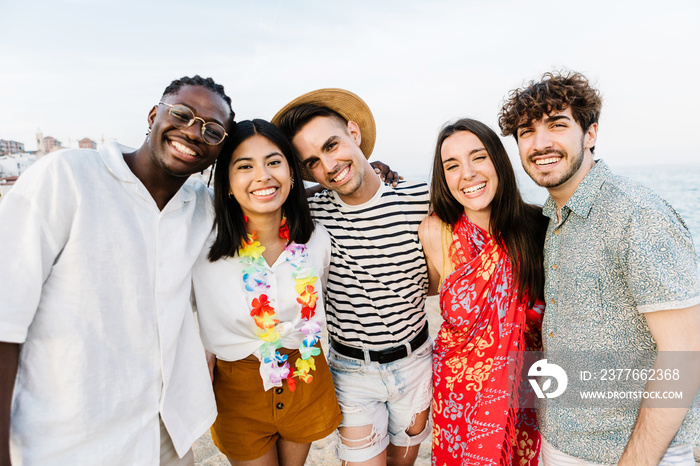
(667, 306)
(11, 333)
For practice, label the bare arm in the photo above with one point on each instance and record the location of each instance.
(9, 357)
(673, 330)
(429, 235)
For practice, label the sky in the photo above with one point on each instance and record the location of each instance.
(94, 68)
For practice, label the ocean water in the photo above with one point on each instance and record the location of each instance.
(679, 185)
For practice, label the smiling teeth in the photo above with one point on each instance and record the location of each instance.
(474, 189)
(264, 192)
(547, 161)
(184, 149)
(343, 173)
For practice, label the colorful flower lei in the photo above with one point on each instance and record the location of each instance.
(274, 366)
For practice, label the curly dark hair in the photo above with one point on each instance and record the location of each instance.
(197, 80)
(555, 92)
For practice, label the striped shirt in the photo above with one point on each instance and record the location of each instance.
(378, 279)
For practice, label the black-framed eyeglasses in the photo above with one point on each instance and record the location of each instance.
(182, 117)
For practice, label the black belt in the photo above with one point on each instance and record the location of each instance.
(383, 356)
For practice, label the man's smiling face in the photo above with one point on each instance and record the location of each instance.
(552, 149)
(181, 152)
(331, 152)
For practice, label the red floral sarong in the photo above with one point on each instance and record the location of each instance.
(476, 415)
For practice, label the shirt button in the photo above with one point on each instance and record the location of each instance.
(279, 390)
(551, 334)
(280, 405)
(551, 301)
(554, 267)
(556, 232)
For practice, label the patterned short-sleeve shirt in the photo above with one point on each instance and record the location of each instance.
(619, 251)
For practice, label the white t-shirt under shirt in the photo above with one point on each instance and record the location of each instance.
(95, 284)
(378, 278)
(226, 326)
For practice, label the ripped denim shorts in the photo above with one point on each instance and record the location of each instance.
(385, 396)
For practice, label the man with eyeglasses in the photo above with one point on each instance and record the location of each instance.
(99, 341)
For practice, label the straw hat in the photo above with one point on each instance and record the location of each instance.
(347, 105)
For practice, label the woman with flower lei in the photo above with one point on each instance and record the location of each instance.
(258, 290)
(484, 249)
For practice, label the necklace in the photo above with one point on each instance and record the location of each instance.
(274, 366)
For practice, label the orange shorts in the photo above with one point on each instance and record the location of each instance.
(251, 420)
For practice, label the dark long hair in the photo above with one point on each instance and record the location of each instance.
(517, 227)
(230, 227)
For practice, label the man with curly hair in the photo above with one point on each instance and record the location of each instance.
(620, 277)
(99, 343)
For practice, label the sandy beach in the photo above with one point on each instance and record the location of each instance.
(322, 453)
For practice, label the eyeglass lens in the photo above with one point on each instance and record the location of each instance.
(182, 117)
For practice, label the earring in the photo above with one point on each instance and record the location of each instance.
(230, 194)
(292, 186)
(148, 134)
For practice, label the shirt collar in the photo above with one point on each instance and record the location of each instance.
(112, 154)
(581, 202)
(380, 192)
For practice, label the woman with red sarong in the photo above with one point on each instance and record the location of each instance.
(484, 251)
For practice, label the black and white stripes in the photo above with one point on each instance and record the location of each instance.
(378, 278)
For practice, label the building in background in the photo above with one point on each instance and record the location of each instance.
(6, 184)
(14, 159)
(39, 144)
(87, 143)
(11, 166)
(10, 147)
(15, 164)
(50, 144)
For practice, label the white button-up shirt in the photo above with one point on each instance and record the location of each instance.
(227, 328)
(95, 283)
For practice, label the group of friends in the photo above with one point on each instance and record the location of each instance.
(107, 252)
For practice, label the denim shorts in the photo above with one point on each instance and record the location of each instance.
(386, 396)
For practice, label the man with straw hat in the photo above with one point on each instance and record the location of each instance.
(381, 353)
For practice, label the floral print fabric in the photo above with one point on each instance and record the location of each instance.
(476, 420)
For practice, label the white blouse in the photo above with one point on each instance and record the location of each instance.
(226, 326)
